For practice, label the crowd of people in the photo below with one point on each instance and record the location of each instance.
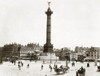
(81, 71)
(55, 67)
(20, 64)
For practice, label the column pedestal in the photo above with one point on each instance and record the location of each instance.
(48, 48)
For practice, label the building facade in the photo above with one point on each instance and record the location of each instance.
(93, 53)
(10, 50)
(73, 56)
(81, 53)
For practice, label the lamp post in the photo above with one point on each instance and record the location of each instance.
(19, 51)
(66, 60)
(50, 57)
(96, 59)
(56, 58)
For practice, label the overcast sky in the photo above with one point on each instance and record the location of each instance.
(74, 22)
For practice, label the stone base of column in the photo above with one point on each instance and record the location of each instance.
(48, 48)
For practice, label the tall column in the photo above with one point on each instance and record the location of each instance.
(48, 39)
(48, 47)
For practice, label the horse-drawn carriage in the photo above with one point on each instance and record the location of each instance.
(61, 69)
(80, 72)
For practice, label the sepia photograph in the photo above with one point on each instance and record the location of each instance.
(49, 37)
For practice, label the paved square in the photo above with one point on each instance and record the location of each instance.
(9, 69)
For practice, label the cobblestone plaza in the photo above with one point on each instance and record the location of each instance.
(9, 69)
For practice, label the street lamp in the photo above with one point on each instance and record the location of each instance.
(50, 57)
(19, 51)
(66, 59)
(56, 58)
(96, 59)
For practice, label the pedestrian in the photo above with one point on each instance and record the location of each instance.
(41, 67)
(76, 73)
(50, 68)
(22, 64)
(88, 65)
(18, 62)
(19, 66)
(73, 64)
(27, 65)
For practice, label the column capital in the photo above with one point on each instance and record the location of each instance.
(48, 12)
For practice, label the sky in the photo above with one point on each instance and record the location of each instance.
(73, 22)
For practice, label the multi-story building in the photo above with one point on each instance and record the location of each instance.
(17, 50)
(93, 53)
(63, 53)
(26, 52)
(73, 55)
(81, 52)
(10, 50)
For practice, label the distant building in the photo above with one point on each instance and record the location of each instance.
(73, 56)
(93, 53)
(17, 50)
(10, 50)
(63, 54)
(26, 52)
(81, 52)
